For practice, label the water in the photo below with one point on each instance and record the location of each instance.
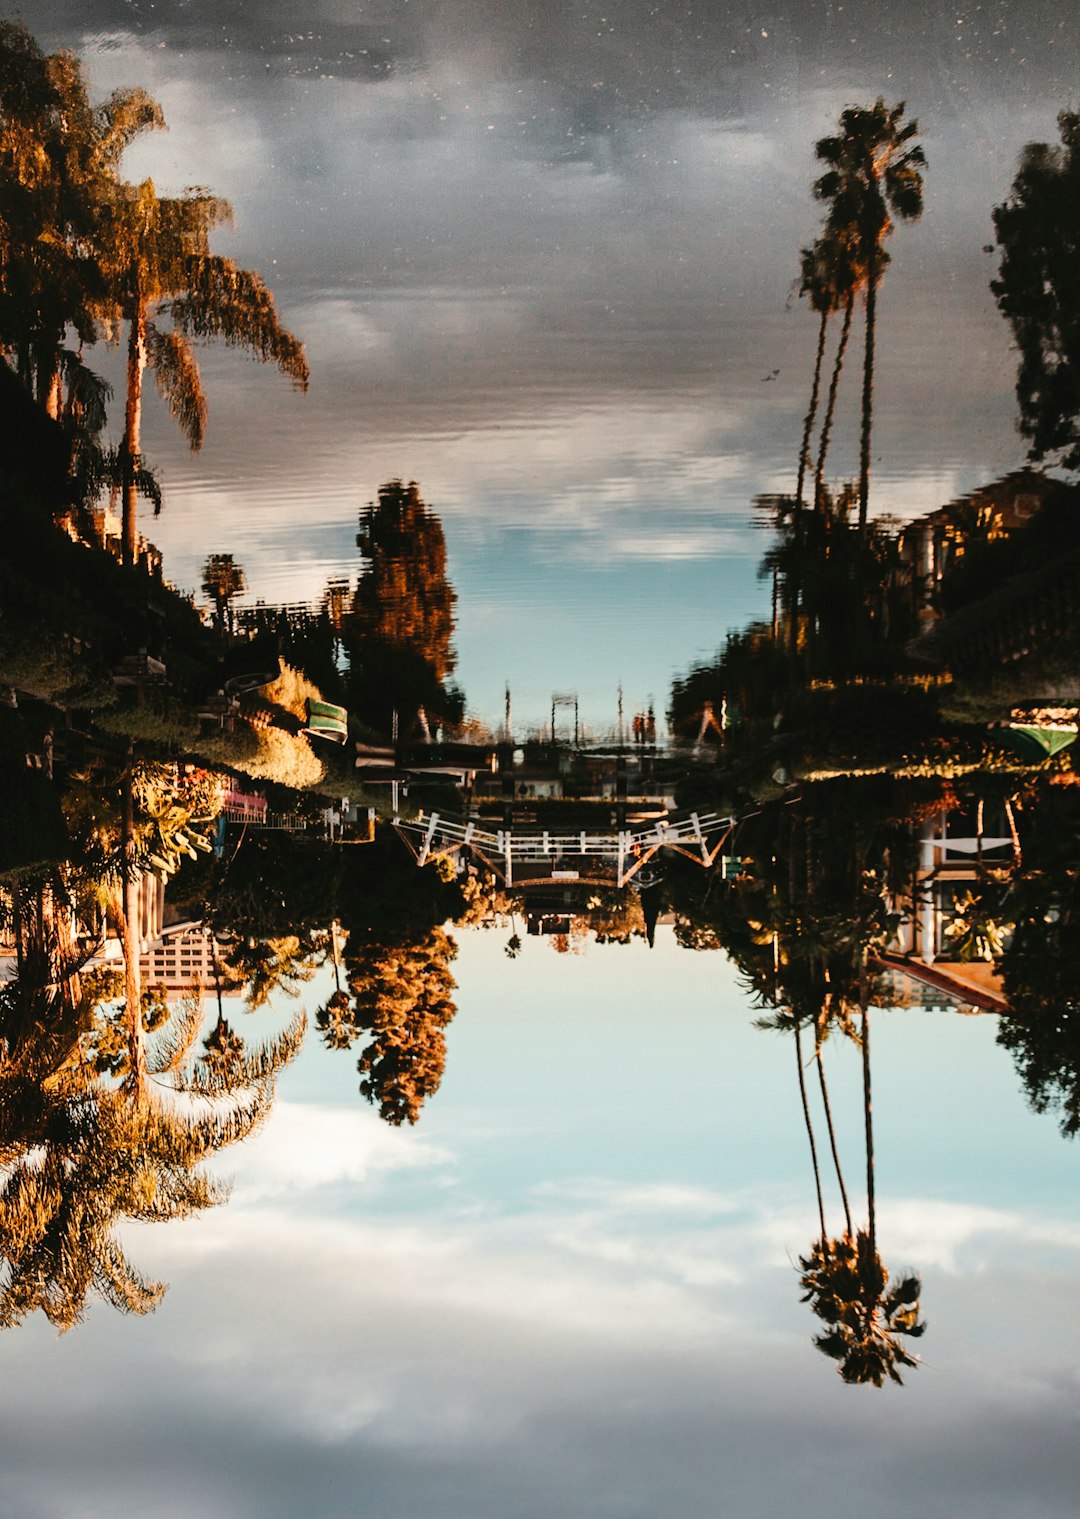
(543, 265)
(542, 262)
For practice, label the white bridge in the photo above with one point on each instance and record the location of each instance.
(518, 855)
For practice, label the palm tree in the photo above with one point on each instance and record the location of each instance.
(820, 1029)
(847, 1283)
(808, 1121)
(830, 278)
(59, 157)
(93, 1134)
(222, 580)
(873, 173)
(830, 404)
(160, 264)
(848, 1287)
(336, 1023)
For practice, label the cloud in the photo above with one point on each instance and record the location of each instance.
(308, 1147)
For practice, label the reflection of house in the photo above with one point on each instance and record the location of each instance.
(954, 856)
(108, 531)
(932, 544)
(181, 959)
(151, 914)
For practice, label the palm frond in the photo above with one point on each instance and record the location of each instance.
(221, 300)
(176, 375)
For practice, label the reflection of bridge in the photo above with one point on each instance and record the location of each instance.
(519, 855)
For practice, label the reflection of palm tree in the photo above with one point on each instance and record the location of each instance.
(831, 277)
(809, 1125)
(872, 174)
(158, 256)
(223, 580)
(818, 1052)
(336, 1023)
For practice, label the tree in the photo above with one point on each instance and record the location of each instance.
(849, 1289)
(122, 1138)
(831, 277)
(222, 580)
(1041, 964)
(1038, 290)
(873, 173)
(264, 966)
(59, 158)
(336, 1023)
(802, 922)
(159, 266)
(399, 630)
(402, 997)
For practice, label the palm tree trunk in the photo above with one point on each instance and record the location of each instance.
(136, 364)
(129, 927)
(810, 1129)
(832, 1137)
(868, 1115)
(47, 367)
(808, 426)
(1014, 834)
(867, 390)
(335, 954)
(830, 404)
(775, 604)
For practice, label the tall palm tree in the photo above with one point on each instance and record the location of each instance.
(160, 266)
(847, 1283)
(59, 157)
(819, 1041)
(808, 1121)
(830, 276)
(830, 403)
(873, 173)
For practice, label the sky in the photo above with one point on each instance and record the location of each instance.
(542, 258)
(571, 1290)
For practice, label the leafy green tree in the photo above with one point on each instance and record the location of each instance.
(1040, 967)
(1038, 232)
(402, 998)
(399, 630)
(873, 173)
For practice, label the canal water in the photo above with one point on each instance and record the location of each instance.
(543, 262)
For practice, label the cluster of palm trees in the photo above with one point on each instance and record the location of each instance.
(872, 174)
(804, 922)
(107, 1111)
(85, 254)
